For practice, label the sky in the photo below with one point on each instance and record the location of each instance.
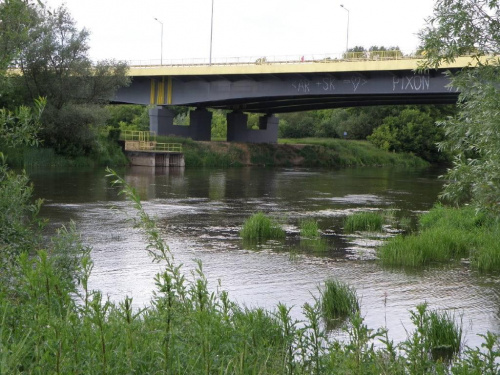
(246, 29)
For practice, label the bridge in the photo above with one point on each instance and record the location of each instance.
(279, 87)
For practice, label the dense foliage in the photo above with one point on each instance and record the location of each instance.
(461, 27)
(51, 55)
(392, 128)
(412, 131)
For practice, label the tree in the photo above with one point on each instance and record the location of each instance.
(16, 18)
(412, 131)
(471, 27)
(55, 65)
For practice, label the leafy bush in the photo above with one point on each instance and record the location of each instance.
(411, 131)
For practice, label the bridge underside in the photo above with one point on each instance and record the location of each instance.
(270, 94)
(309, 103)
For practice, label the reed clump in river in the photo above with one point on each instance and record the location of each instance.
(261, 227)
(364, 221)
(447, 233)
(338, 300)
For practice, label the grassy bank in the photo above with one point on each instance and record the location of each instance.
(320, 152)
(327, 152)
(106, 153)
(445, 234)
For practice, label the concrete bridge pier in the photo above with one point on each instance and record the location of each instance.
(200, 122)
(161, 121)
(237, 130)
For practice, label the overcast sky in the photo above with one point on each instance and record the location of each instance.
(127, 29)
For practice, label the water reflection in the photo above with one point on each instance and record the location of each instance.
(201, 211)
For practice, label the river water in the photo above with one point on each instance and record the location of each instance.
(200, 213)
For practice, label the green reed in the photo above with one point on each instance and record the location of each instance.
(364, 221)
(309, 228)
(261, 227)
(444, 335)
(338, 300)
(446, 234)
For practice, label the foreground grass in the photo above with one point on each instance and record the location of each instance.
(447, 233)
(51, 322)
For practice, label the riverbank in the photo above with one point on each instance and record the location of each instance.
(106, 153)
(307, 152)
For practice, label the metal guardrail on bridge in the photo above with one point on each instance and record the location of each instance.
(146, 141)
(285, 59)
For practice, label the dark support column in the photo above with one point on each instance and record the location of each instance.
(161, 120)
(236, 126)
(237, 130)
(200, 122)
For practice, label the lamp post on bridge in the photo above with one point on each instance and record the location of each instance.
(161, 49)
(211, 33)
(347, 40)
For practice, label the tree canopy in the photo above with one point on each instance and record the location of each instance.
(471, 27)
(51, 54)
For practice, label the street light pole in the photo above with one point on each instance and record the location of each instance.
(161, 50)
(347, 41)
(211, 32)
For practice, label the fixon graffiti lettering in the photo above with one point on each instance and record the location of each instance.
(416, 82)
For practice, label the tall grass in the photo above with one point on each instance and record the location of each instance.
(338, 300)
(446, 234)
(328, 152)
(364, 221)
(309, 228)
(432, 245)
(105, 153)
(436, 337)
(321, 152)
(444, 334)
(261, 227)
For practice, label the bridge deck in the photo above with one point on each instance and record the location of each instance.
(319, 66)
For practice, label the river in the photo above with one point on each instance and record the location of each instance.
(200, 212)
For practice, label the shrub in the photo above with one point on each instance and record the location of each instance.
(411, 131)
